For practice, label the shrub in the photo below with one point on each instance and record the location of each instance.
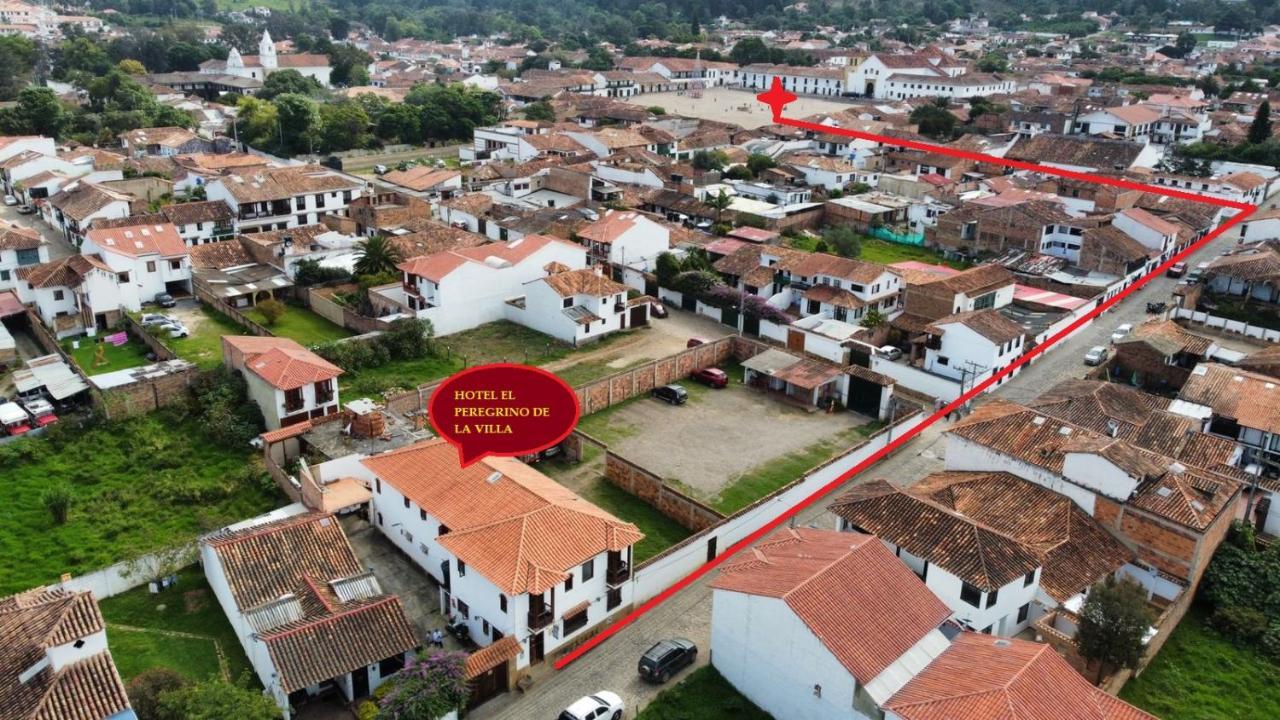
(272, 310)
(145, 690)
(220, 400)
(656, 110)
(407, 338)
(310, 272)
(1238, 622)
(57, 500)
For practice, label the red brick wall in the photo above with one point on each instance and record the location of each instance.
(651, 488)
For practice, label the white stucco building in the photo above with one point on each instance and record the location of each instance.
(289, 383)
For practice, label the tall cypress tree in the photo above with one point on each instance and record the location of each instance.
(1260, 130)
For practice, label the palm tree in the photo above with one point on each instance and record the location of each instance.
(719, 202)
(377, 256)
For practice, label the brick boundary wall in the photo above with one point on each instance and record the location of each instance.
(156, 345)
(650, 487)
(207, 298)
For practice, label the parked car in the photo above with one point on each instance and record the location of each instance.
(175, 329)
(603, 705)
(26, 210)
(14, 419)
(695, 342)
(658, 310)
(1122, 332)
(10, 200)
(149, 320)
(662, 660)
(1194, 276)
(379, 169)
(165, 300)
(673, 394)
(1156, 307)
(890, 352)
(41, 411)
(1096, 355)
(1176, 270)
(711, 377)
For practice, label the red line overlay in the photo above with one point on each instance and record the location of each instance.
(1244, 209)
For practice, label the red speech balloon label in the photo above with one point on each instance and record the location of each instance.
(503, 409)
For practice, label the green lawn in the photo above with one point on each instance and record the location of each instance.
(885, 252)
(494, 342)
(592, 370)
(299, 323)
(204, 346)
(778, 472)
(660, 531)
(1200, 675)
(131, 354)
(136, 485)
(189, 608)
(702, 695)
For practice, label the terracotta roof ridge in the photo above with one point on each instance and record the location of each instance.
(226, 537)
(820, 572)
(268, 636)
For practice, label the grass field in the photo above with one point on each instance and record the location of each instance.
(768, 477)
(660, 531)
(885, 252)
(135, 486)
(204, 345)
(156, 630)
(131, 354)
(703, 695)
(1200, 675)
(500, 341)
(299, 323)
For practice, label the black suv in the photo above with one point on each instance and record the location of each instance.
(662, 660)
(673, 394)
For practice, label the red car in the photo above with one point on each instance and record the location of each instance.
(695, 342)
(1176, 270)
(711, 377)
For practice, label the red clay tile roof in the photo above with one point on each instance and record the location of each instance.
(30, 624)
(981, 677)
(522, 530)
(865, 606)
(290, 368)
(436, 266)
(14, 237)
(286, 432)
(300, 586)
(282, 362)
(1251, 399)
(1192, 497)
(137, 239)
(586, 281)
(485, 659)
(990, 324)
(67, 271)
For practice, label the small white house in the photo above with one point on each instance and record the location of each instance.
(625, 239)
(577, 306)
(151, 254)
(289, 383)
(1153, 232)
(972, 346)
(310, 616)
(822, 625)
(77, 294)
(19, 247)
(465, 287)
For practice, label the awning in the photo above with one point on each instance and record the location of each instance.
(10, 304)
(486, 659)
(576, 610)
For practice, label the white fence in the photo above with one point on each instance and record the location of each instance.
(660, 574)
(1232, 326)
(931, 384)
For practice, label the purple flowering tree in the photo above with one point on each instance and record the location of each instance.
(427, 688)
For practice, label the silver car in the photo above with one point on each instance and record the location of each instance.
(1096, 355)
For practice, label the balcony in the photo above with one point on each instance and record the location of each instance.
(617, 573)
(539, 618)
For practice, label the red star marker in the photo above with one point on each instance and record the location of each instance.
(777, 98)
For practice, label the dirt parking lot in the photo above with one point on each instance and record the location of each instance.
(718, 435)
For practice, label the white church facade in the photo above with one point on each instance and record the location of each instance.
(258, 67)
